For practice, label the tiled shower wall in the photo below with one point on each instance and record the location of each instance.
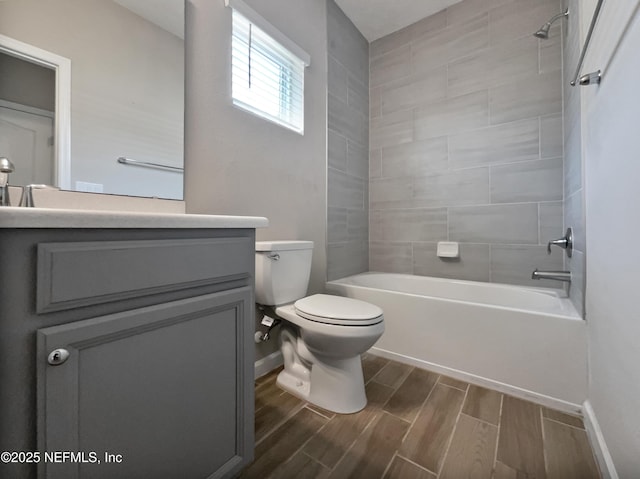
(573, 177)
(348, 137)
(466, 143)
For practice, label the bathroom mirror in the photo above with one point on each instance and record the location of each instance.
(88, 82)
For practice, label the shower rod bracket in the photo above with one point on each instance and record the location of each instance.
(593, 78)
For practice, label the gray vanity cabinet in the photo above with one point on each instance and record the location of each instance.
(135, 348)
(153, 387)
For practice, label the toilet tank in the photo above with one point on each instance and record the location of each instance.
(282, 271)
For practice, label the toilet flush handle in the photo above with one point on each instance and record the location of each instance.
(273, 256)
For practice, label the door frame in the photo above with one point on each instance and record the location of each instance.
(62, 123)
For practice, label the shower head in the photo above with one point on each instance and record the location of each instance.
(543, 32)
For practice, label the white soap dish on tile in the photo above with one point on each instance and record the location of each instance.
(448, 249)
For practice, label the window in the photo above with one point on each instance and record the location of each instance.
(267, 78)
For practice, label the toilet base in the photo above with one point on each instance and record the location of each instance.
(333, 384)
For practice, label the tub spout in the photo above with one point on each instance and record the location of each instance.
(555, 275)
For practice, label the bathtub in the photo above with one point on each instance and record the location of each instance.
(528, 342)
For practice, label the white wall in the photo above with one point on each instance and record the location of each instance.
(237, 163)
(127, 93)
(612, 174)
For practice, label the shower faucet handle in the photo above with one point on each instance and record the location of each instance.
(566, 243)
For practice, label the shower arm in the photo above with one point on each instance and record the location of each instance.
(556, 17)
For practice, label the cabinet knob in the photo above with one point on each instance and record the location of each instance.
(57, 357)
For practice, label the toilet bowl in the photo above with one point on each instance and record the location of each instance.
(322, 336)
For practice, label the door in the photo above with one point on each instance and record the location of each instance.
(27, 140)
(164, 391)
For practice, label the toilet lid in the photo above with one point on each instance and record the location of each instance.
(328, 309)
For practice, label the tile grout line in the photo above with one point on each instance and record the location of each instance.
(454, 387)
(478, 419)
(299, 449)
(346, 451)
(419, 411)
(453, 432)
(312, 459)
(416, 464)
(495, 455)
(279, 424)
(563, 423)
(386, 469)
(317, 412)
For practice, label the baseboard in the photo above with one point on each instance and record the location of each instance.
(598, 444)
(543, 400)
(267, 364)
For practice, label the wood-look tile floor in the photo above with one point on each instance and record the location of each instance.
(417, 425)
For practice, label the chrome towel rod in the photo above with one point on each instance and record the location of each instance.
(594, 77)
(146, 164)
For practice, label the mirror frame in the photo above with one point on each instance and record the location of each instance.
(62, 124)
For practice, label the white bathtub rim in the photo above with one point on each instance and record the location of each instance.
(521, 393)
(574, 316)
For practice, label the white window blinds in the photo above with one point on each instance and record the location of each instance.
(266, 78)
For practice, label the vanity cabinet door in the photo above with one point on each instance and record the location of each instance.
(165, 390)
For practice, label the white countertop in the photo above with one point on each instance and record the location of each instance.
(15, 217)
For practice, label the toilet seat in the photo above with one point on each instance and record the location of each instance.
(338, 310)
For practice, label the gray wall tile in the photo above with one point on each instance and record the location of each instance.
(473, 264)
(357, 224)
(337, 150)
(357, 160)
(375, 163)
(462, 187)
(390, 257)
(390, 42)
(436, 48)
(514, 264)
(533, 96)
(346, 259)
(551, 140)
(429, 25)
(414, 90)
(417, 224)
(453, 115)
(551, 50)
(345, 191)
(391, 66)
(519, 18)
(390, 130)
(551, 221)
(346, 43)
(574, 218)
(358, 95)
(386, 193)
(494, 66)
(573, 168)
(528, 181)
(497, 224)
(576, 264)
(337, 79)
(347, 121)
(348, 147)
(573, 162)
(507, 143)
(337, 225)
(415, 158)
(431, 148)
(375, 109)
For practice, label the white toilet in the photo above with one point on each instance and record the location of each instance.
(322, 336)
